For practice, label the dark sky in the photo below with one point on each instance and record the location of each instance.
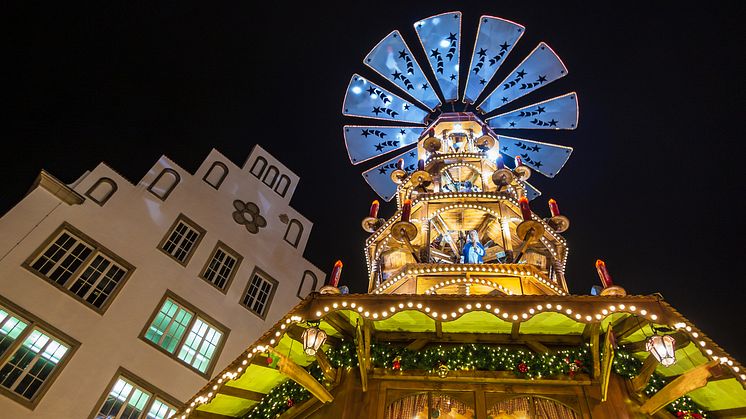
(653, 187)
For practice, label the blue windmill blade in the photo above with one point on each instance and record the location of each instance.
(547, 159)
(393, 60)
(379, 177)
(440, 37)
(369, 100)
(495, 39)
(365, 142)
(531, 192)
(560, 112)
(540, 68)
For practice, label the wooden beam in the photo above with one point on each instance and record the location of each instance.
(438, 329)
(648, 367)
(439, 336)
(326, 367)
(201, 414)
(537, 347)
(689, 381)
(417, 344)
(594, 330)
(241, 393)
(737, 412)
(340, 324)
(515, 330)
(627, 326)
(361, 359)
(367, 326)
(299, 374)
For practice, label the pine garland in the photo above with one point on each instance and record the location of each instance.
(523, 363)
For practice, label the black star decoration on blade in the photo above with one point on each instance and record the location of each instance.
(406, 106)
(504, 99)
(482, 81)
(535, 148)
(504, 46)
(366, 133)
(482, 52)
(540, 109)
(512, 124)
(403, 132)
(435, 53)
(542, 79)
(505, 148)
(411, 154)
(425, 86)
(382, 170)
(396, 75)
(377, 110)
(403, 53)
(379, 147)
(453, 77)
(371, 90)
(452, 36)
(553, 122)
(537, 164)
(521, 73)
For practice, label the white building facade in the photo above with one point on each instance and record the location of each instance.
(118, 300)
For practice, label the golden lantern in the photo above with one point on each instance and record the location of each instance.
(662, 348)
(313, 338)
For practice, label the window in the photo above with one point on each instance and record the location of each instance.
(271, 176)
(307, 284)
(259, 293)
(282, 185)
(293, 233)
(102, 190)
(32, 354)
(216, 175)
(258, 167)
(165, 183)
(130, 397)
(186, 334)
(81, 267)
(221, 267)
(182, 239)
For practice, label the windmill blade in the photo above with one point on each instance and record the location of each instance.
(531, 191)
(393, 60)
(495, 39)
(560, 112)
(369, 100)
(547, 159)
(540, 68)
(365, 142)
(379, 177)
(440, 37)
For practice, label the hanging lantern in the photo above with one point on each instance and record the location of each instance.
(313, 338)
(662, 348)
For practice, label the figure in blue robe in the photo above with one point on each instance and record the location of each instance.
(473, 249)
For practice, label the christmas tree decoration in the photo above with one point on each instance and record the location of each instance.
(468, 308)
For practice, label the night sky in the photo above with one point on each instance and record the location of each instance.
(653, 187)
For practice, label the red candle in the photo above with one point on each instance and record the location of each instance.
(518, 161)
(406, 210)
(603, 274)
(400, 164)
(420, 164)
(336, 273)
(373, 209)
(525, 208)
(553, 207)
(499, 161)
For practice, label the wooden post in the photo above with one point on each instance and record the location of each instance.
(361, 359)
(329, 372)
(595, 330)
(298, 374)
(641, 380)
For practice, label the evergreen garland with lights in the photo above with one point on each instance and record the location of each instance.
(441, 359)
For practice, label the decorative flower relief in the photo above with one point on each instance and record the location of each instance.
(248, 215)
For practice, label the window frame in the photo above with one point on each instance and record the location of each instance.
(34, 323)
(177, 178)
(215, 164)
(298, 237)
(227, 249)
(196, 313)
(191, 224)
(270, 298)
(97, 249)
(279, 182)
(107, 180)
(154, 391)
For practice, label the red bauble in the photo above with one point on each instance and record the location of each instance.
(290, 402)
(396, 364)
(523, 368)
